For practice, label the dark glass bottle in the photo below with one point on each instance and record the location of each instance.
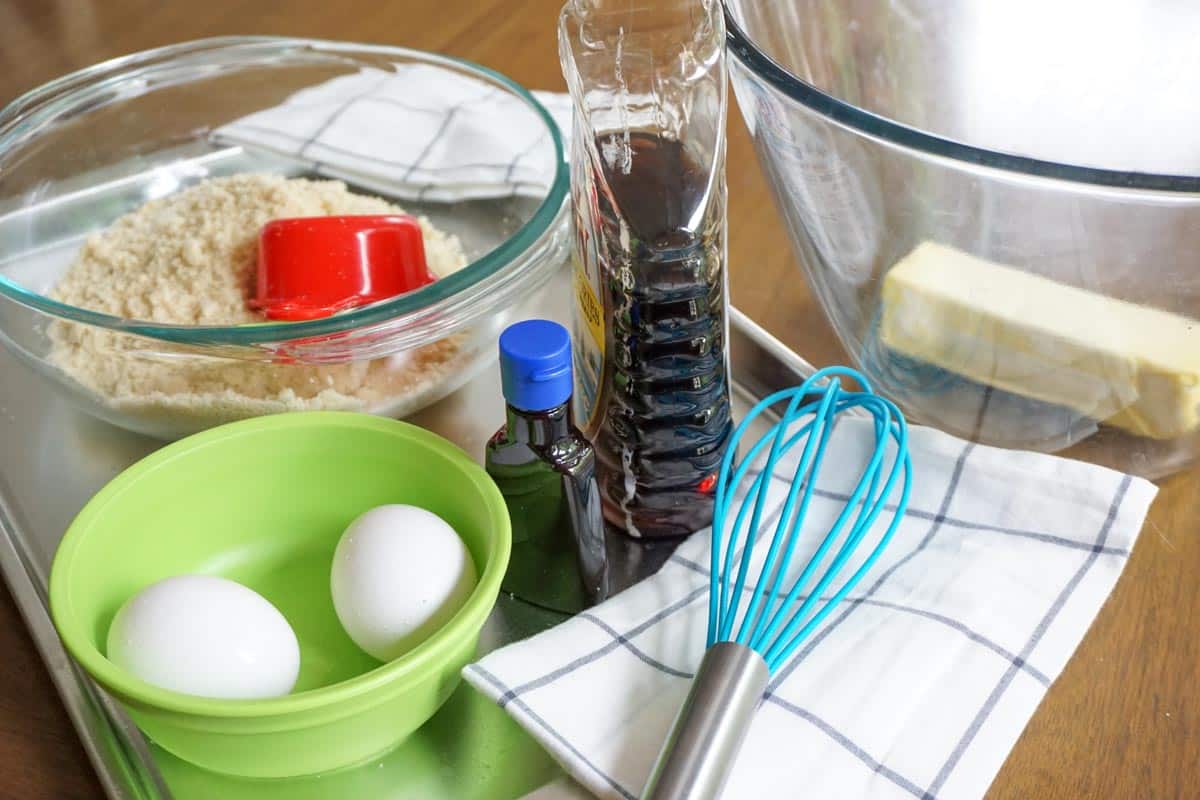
(546, 470)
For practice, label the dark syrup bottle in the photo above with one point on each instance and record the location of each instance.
(546, 470)
(648, 85)
(664, 410)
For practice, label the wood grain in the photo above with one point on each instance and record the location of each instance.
(1122, 721)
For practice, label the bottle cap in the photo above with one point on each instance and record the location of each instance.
(535, 365)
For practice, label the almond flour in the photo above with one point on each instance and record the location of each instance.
(190, 258)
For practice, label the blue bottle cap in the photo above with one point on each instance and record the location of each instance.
(535, 365)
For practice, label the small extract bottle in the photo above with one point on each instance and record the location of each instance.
(546, 470)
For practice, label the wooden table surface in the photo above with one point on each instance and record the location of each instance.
(1123, 721)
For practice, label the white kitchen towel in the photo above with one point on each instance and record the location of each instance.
(417, 132)
(917, 686)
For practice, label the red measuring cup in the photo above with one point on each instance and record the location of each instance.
(311, 267)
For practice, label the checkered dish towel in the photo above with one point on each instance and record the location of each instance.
(419, 132)
(916, 687)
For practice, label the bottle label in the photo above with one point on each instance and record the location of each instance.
(589, 338)
(589, 324)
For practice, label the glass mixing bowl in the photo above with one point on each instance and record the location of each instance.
(80, 152)
(997, 206)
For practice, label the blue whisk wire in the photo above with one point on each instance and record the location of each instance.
(775, 623)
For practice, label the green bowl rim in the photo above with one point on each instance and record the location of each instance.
(412, 666)
(16, 116)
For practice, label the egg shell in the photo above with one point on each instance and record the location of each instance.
(399, 573)
(207, 636)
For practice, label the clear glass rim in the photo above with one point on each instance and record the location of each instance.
(871, 124)
(14, 117)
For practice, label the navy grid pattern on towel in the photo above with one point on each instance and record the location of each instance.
(917, 687)
(419, 132)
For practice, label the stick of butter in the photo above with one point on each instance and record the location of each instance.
(1131, 366)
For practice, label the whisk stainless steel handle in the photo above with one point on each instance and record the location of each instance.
(745, 647)
(710, 727)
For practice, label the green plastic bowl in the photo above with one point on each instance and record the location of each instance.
(264, 502)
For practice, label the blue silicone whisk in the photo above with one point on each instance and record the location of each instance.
(755, 624)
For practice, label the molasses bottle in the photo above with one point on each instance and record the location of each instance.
(648, 186)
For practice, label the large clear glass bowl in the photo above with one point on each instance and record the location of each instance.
(1040, 163)
(81, 151)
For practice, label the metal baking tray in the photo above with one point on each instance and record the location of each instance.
(53, 459)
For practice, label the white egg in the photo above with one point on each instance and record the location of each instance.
(206, 636)
(399, 573)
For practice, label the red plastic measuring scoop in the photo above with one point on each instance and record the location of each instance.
(311, 267)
